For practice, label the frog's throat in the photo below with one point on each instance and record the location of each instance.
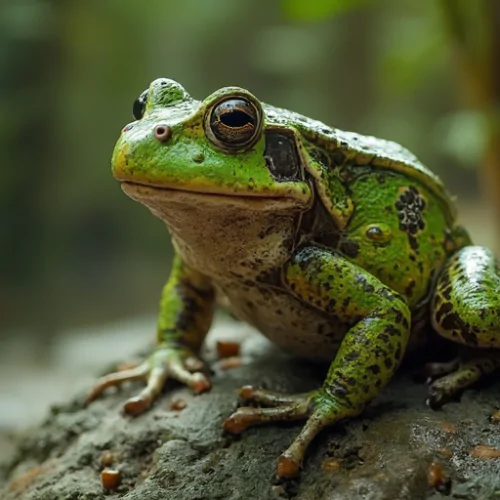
(158, 198)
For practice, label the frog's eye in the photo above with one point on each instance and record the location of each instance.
(234, 123)
(140, 105)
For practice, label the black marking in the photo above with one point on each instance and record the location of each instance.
(410, 206)
(349, 248)
(281, 157)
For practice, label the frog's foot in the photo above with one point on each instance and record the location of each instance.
(447, 388)
(165, 363)
(434, 370)
(319, 409)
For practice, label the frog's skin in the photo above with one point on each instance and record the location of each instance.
(334, 245)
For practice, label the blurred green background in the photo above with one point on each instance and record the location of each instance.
(76, 253)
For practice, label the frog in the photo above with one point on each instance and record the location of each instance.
(338, 247)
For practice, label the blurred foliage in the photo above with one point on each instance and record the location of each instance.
(73, 248)
(319, 9)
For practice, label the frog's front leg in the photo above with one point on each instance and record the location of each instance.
(368, 356)
(186, 311)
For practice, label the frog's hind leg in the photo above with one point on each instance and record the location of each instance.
(466, 310)
(446, 388)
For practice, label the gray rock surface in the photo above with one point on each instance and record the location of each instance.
(183, 455)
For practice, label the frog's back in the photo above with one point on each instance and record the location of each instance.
(355, 150)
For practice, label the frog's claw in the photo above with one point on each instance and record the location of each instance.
(163, 364)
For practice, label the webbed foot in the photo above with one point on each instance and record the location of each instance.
(164, 363)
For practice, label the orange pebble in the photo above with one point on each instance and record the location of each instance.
(230, 363)
(178, 404)
(485, 452)
(437, 479)
(110, 479)
(227, 349)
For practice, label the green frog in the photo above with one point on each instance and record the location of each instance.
(336, 246)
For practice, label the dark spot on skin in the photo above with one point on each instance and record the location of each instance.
(337, 158)
(388, 363)
(393, 331)
(281, 157)
(446, 292)
(398, 352)
(349, 248)
(375, 369)
(383, 337)
(351, 356)
(320, 156)
(199, 158)
(410, 287)
(410, 206)
(381, 178)
(413, 241)
(443, 311)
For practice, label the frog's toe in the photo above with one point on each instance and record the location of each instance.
(324, 415)
(163, 364)
(248, 416)
(433, 370)
(250, 394)
(437, 397)
(116, 379)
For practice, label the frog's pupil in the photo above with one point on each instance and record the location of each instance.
(236, 119)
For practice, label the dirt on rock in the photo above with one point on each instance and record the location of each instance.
(394, 451)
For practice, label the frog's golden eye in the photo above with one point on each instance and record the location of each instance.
(140, 105)
(234, 123)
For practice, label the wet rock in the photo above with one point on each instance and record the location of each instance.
(183, 455)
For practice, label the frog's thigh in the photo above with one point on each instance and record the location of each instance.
(375, 344)
(466, 303)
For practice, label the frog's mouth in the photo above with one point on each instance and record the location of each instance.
(162, 197)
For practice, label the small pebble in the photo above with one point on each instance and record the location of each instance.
(106, 458)
(230, 363)
(331, 464)
(178, 404)
(495, 417)
(437, 478)
(227, 349)
(110, 479)
(485, 452)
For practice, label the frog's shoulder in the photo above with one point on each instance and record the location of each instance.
(361, 150)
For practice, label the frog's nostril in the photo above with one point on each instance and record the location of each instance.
(163, 133)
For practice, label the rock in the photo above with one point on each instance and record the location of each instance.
(182, 454)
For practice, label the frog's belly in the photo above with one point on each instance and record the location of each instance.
(296, 327)
(287, 322)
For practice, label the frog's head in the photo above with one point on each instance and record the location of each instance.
(223, 146)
